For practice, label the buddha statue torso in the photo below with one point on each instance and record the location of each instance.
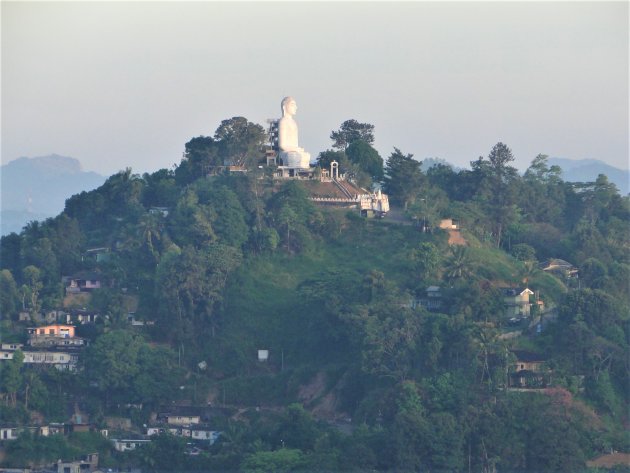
(291, 154)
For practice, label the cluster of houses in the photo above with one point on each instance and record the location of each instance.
(182, 422)
(53, 345)
(528, 370)
(8, 432)
(187, 422)
(517, 301)
(85, 464)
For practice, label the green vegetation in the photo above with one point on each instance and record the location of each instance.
(363, 373)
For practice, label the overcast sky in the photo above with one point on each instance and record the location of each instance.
(123, 84)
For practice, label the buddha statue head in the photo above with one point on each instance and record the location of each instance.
(289, 107)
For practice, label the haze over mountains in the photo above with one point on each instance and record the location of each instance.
(37, 188)
(584, 170)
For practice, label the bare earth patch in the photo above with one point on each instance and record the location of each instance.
(610, 460)
(455, 238)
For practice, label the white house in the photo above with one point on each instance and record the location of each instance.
(205, 434)
(195, 432)
(182, 419)
(60, 360)
(12, 346)
(123, 445)
(516, 302)
(9, 433)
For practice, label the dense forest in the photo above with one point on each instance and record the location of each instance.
(362, 373)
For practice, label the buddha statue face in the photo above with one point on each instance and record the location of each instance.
(289, 107)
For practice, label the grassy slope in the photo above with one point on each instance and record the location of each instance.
(263, 309)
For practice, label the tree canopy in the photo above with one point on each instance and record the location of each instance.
(351, 131)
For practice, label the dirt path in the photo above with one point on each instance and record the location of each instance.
(455, 238)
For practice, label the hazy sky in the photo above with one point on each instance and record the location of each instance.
(119, 84)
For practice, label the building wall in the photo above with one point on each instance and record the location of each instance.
(55, 330)
(534, 366)
(182, 420)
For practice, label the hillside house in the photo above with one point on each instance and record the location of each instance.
(56, 330)
(131, 318)
(52, 336)
(51, 341)
(528, 370)
(517, 303)
(100, 255)
(9, 433)
(431, 300)
(176, 419)
(84, 282)
(163, 211)
(124, 445)
(59, 359)
(195, 432)
(560, 268)
(205, 434)
(183, 415)
(11, 346)
(78, 317)
(12, 433)
(449, 224)
(86, 464)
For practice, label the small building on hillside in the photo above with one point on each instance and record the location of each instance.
(87, 464)
(163, 211)
(51, 341)
(12, 346)
(79, 317)
(9, 433)
(199, 432)
(430, 300)
(82, 282)
(560, 268)
(124, 445)
(449, 224)
(63, 360)
(54, 336)
(56, 330)
(99, 255)
(528, 370)
(517, 302)
(177, 419)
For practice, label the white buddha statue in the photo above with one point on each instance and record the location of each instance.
(291, 154)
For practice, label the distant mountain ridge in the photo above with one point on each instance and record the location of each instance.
(587, 170)
(37, 188)
(573, 170)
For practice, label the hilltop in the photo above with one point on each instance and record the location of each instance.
(304, 336)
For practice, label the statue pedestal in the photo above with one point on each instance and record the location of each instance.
(296, 159)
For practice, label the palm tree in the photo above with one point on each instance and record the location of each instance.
(459, 265)
(486, 339)
(528, 271)
(150, 229)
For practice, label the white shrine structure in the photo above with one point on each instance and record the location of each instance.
(293, 162)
